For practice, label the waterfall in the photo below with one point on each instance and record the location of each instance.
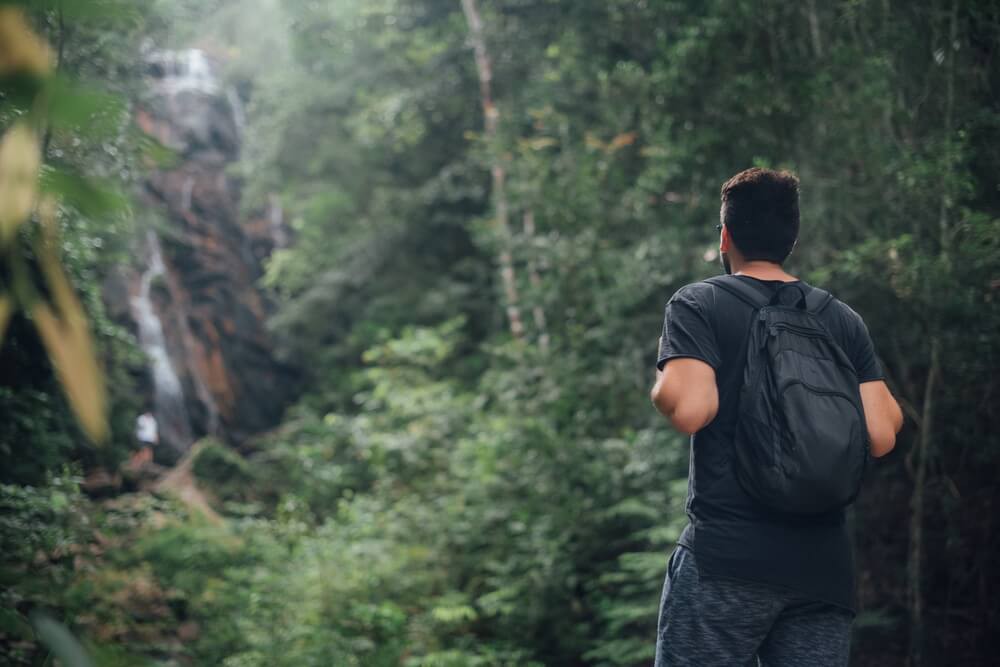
(207, 347)
(239, 116)
(186, 190)
(168, 394)
(188, 69)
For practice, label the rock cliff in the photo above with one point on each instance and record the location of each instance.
(192, 291)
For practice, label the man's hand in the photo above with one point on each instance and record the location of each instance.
(686, 393)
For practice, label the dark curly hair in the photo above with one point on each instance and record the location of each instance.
(760, 207)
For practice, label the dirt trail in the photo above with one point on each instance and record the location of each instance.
(180, 482)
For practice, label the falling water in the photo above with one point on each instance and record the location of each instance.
(168, 394)
(188, 69)
(239, 116)
(186, 191)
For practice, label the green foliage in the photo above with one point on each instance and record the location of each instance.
(221, 469)
(90, 159)
(618, 122)
(40, 532)
(37, 522)
(445, 493)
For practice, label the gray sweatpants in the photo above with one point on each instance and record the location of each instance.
(705, 622)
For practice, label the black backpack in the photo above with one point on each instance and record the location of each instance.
(801, 441)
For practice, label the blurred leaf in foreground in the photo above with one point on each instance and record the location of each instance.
(66, 335)
(20, 159)
(20, 48)
(59, 640)
(6, 308)
(61, 322)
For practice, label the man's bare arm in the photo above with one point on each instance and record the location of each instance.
(882, 415)
(686, 393)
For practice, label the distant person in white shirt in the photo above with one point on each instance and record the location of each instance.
(147, 434)
(145, 428)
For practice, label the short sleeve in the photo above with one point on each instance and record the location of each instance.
(687, 330)
(862, 351)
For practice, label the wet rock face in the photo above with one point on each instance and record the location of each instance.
(205, 297)
(187, 109)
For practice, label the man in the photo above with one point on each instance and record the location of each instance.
(746, 582)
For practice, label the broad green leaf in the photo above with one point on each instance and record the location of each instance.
(83, 109)
(84, 194)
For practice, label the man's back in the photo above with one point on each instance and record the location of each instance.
(732, 534)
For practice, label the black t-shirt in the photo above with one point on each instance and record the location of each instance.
(731, 534)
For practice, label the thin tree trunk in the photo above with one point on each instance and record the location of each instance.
(915, 596)
(536, 284)
(915, 588)
(817, 41)
(490, 119)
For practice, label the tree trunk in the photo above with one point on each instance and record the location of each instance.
(817, 41)
(915, 598)
(536, 284)
(490, 119)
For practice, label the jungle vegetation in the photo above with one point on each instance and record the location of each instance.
(491, 202)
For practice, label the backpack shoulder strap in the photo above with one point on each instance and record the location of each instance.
(740, 290)
(817, 300)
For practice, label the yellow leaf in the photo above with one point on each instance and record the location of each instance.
(622, 140)
(6, 308)
(21, 50)
(20, 159)
(72, 355)
(536, 143)
(593, 142)
(67, 336)
(47, 208)
(541, 143)
(539, 114)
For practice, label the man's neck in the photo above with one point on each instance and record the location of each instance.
(763, 271)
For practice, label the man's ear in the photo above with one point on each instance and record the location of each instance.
(724, 240)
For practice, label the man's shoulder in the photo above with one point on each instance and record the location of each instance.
(843, 322)
(698, 293)
(839, 309)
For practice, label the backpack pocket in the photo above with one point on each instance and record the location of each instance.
(822, 448)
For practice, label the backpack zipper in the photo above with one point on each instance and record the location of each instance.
(800, 330)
